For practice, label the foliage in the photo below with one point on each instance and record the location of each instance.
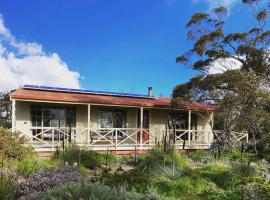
(137, 180)
(183, 186)
(158, 156)
(254, 188)
(235, 154)
(88, 158)
(96, 191)
(13, 144)
(200, 156)
(7, 182)
(44, 180)
(5, 110)
(220, 174)
(243, 168)
(264, 147)
(32, 163)
(156, 165)
(235, 69)
(214, 194)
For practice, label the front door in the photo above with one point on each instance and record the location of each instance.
(146, 121)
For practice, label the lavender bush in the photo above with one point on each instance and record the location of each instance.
(44, 180)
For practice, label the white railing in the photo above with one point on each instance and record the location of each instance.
(120, 138)
(237, 137)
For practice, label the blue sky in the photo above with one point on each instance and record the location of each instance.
(120, 45)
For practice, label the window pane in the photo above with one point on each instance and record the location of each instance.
(119, 119)
(53, 117)
(111, 119)
(70, 117)
(193, 122)
(105, 119)
(36, 113)
(181, 120)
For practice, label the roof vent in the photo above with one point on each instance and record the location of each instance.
(150, 91)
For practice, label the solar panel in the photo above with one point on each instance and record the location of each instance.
(60, 89)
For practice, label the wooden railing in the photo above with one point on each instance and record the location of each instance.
(120, 138)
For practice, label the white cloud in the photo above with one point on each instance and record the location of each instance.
(217, 3)
(222, 65)
(27, 63)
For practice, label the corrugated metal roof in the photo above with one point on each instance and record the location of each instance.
(73, 97)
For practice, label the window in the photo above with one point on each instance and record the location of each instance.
(36, 113)
(111, 119)
(179, 121)
(53, 116)
(70, 117)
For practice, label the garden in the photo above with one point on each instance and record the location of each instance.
(161, 173)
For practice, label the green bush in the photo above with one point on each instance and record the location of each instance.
(135, 179)
(215, 194)
(243, 168)
(7, 182)
(254, 188)
(263, 147)
(219, 174)
(88, 158)
(183, 186)
(157, 157)
(32, 163)
(199, 156)
(236, 154)
(14, 144)
(95, 191)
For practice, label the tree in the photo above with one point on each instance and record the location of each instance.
(234, 70)
(5, 110)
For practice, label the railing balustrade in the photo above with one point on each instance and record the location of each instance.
(121, 138)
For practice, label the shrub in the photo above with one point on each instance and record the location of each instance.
(88, 158)
(157, 157)
(95, 191)
(135, 179)
(13, 144)
(264, 147)
(215, 194)
(7, 182)
(236, 154)
(44, 180)
(32, 163)
(254, 188)
(243, 168)
(220, 174)
(167, 172)
(183, 186)
(199, 156)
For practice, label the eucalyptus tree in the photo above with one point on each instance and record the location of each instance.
(234, 70)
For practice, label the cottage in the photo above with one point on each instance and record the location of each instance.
(102, 121)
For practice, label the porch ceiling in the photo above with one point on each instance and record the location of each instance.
(159, 102)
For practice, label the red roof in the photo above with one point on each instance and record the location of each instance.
(159, 102)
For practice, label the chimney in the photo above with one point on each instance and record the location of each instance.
(150, 92)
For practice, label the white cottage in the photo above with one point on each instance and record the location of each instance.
(102, 121)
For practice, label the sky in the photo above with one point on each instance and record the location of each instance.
(120, 45)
